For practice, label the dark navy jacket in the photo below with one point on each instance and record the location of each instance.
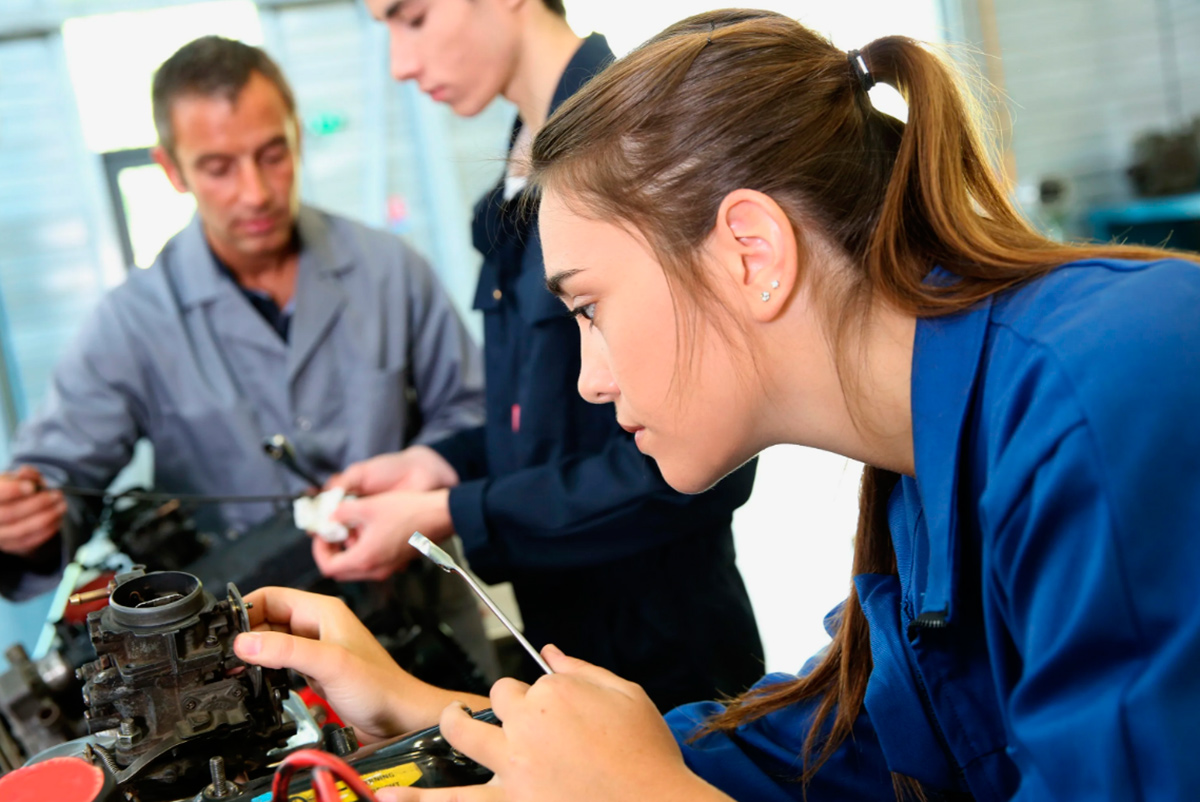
(1052, 536)
(606, 560)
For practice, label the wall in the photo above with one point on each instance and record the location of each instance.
(1083, 79)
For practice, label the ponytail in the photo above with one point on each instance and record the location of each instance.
(944, 204)
(839, 681)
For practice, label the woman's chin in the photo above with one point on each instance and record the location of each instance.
(687, 479)
(690, 475)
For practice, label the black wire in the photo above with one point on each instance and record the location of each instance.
(182, 498)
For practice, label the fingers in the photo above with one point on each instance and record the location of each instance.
(507, 696)
(368, 555)
(356, 563)
(30, 521)
(354, 512)
(482, 742)
(296, 611)
(312, 658)
(24, 481)
(27, 535)
(349, 479)
(25, 504)
(323, 554)
(563, 664)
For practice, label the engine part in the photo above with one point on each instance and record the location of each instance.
(177, 717)
(159, 535)
(421, 760)
(167, 680)
(38, 707)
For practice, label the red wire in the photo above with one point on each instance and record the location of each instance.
(325, 787)
(315, 759)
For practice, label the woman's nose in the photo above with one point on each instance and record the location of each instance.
(596, 383)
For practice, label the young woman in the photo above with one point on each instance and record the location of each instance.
(758, 256)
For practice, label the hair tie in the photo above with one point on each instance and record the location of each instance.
(865, 79)
(712, 28)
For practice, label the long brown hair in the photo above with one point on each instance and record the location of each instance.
(751, 99)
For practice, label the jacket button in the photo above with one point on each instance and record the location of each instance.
(497, 294)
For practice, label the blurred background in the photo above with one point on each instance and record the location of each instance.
(1095, 107)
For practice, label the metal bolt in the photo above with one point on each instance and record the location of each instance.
(216, 767)
(189, 704)
(126, 728)
(342, 742)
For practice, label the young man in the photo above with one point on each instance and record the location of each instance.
(606, 560)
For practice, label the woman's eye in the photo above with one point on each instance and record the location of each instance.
(587, 310)
(417, 21)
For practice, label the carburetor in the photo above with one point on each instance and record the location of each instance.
(167, 680)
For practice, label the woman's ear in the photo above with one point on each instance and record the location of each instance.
(754, 240)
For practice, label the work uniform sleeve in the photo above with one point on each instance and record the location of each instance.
(761, 761)
(466, 451)
(582, 510)
(447, 364)
(83, 435)
(1090, 519)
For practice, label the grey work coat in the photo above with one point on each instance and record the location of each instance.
(377, 359)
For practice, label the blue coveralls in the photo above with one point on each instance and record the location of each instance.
(606, 560)
(1053, 526)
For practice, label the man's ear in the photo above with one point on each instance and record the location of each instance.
(167, 163)
(756, 243)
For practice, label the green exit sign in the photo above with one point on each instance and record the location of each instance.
(326, 123)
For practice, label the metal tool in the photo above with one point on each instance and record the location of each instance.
(446, 563)
(280, 449)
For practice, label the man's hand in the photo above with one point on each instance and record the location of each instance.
(582, 734)
(29, 515)
(380, 527)
(321, 638)
(415, 469)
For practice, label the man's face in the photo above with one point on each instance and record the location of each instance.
(459, 52)
(239, 160)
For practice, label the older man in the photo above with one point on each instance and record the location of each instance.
(263, 316)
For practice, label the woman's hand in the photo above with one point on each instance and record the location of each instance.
(319, 637)
(580, 734)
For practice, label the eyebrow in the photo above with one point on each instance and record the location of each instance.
(274, 142)
(207, 158)
(555, 282)
(391, 11)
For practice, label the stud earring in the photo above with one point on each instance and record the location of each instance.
(766, 296)
(775, 284)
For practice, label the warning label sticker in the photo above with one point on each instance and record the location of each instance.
(395, 777)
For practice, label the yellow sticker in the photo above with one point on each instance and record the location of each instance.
(395, 777)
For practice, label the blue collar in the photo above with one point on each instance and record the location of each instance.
(591, 57)
(946, 359)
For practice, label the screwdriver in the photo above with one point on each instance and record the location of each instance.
(444, 561)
